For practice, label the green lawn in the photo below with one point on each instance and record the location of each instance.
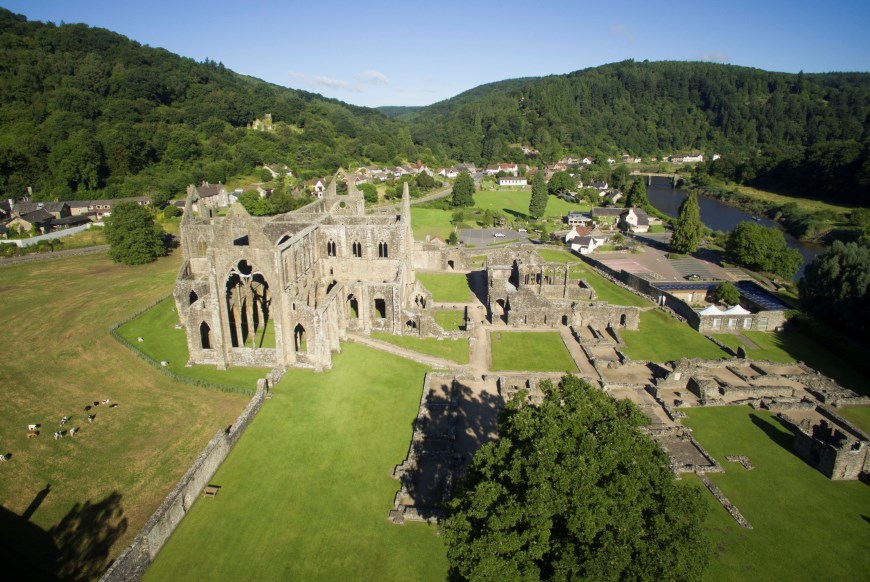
(306, 492)
(430, 222)
(604, 288)
(530, 351)
(447, 287)
(661, 338)
(860, 415)
(455, 350)
(163, 342)
(806, 527)
(450, 319)
(516, 202)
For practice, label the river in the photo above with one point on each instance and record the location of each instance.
(718, 216)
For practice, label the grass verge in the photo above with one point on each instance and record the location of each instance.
(446, 288)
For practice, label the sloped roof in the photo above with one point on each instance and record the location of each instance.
(737, 310)
(711, 310)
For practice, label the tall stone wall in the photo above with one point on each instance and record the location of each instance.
(133, 561)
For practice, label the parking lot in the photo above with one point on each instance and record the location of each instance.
(483, 237)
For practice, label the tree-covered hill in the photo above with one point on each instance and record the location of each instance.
(89, 113)
(649, 109)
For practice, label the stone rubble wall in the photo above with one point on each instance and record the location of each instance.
(132, 563)
(729, 507)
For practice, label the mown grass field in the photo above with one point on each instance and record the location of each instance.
(306, 492)
(605, 289)
(455, 350)
(661, 338)
(86, 497)
(806, 527)
(450, 319)
(446, 287)
(514, 204)
(163, 342)
(530, 351)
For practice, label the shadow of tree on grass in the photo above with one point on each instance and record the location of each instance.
(76, 549)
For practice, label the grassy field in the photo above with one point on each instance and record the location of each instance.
(806, 527)
(450, 319)
(87, 238)
(605, 289)
(530, 351)
(780, 199)
(306, 492)
(859, 415)
(430, 222)
(165, 343)
(81, 500)
(446, 288)
(661, 338)
(515, 203)
(455, 350)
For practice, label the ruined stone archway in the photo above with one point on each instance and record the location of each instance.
(248, 306)
(299, 342)
(352, 306)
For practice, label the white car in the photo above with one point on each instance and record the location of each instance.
(498, 234)
(522, 230)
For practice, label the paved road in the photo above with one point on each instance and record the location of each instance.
(484, 237)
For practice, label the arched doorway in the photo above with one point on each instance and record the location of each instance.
(352, 306)
(299, 342)
(205, 336)
(380, 309)
(193, 297)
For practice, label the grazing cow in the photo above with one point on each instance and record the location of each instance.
(3, 457)
(96, 402)
(106, 401)
(91, 417)
(88, 407)
(73, 431)
(56, 435)
(64, 420)
(32, 434)
(32, 426)
(113, 405)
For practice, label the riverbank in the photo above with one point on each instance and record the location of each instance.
(809, 221)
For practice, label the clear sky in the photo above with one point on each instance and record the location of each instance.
(407, 53)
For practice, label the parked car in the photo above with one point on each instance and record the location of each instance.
(498, 234)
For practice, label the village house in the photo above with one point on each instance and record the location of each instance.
(211, 195)
(585, 239)
(494, 169)
(576, 218)
(686, 159)
(512, 181)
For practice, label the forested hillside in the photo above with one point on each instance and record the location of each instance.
(648, 109)
(87, 113)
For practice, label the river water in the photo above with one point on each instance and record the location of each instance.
(718, 216)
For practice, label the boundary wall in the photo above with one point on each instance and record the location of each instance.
(132, 563)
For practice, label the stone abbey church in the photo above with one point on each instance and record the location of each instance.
(284, 290)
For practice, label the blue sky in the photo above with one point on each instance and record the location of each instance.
(407, 53)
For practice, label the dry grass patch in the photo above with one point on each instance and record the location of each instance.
(100, 487)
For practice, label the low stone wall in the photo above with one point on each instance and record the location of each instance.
(133, 561)
(729, 507)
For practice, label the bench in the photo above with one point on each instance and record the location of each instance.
(211, 490)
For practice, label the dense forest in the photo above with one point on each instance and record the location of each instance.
(88, 113)
(649, 109)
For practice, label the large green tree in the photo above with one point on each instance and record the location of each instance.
(463, 190)
(574, 490)
(762, 248)
(637, 195)
(561, 182)
(836, 287)
(688, 228)
(540, 196)
(134, 238)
